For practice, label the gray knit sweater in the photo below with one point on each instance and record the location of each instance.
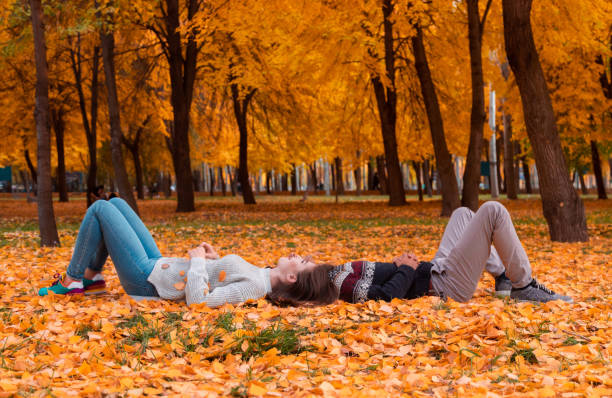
(229, 279)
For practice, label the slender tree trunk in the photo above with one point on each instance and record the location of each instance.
(339, 175)
(471, 175)
(499, 149)
(417, 171)
(386, 99)
(107, 40)
(167, 185)
(241, 106)
(510, 179)
(46, 216)
(59, 127)
(358, 178)
(526, 175)
(284, 183)
(293, 180)
(601, 188)
(90, 128)
(427, 179)
(135, 152)
(232, 180)
(313, 172)
(563, 208)
(31, 167)
(197, 180)
(448, 180)
(583, 187)
(268, 184)
(370, 174)
(211, 173)
(182, 62)
(222, 180)
(382, 175)
(517, 164)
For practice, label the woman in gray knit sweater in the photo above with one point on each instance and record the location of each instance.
(112, 228)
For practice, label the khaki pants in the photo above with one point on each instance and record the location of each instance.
(465, 251)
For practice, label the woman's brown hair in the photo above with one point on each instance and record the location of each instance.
(312, 287)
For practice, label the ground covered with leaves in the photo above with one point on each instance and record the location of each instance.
(113, 346)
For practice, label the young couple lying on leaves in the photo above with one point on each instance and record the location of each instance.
(112, 228)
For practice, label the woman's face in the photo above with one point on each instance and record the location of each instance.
(292, 265)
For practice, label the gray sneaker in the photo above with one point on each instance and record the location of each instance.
(537, 292)
(503, 286)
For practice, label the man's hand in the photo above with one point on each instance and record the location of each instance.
(408, 259)
(211, 254)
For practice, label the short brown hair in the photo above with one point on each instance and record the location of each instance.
(312, 287)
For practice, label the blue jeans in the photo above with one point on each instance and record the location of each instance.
(112, 227)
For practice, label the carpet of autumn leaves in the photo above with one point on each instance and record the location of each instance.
(112, 345)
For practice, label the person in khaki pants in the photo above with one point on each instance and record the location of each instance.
(465, 251)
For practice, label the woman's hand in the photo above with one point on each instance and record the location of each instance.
(211, 253)
(197, 252)
(408, 258)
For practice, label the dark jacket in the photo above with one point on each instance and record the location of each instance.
(359, 281)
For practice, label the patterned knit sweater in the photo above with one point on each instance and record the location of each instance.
(229, 279)
(358, 281)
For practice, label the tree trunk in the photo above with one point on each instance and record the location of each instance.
(211, 173)
(583, 187)
(241, 105)
(358, 177)
(293, 180)
(448, 180)
(46, 216)
(471, 175)
(313, 172)
(59, 127)
(107, 41)
(167, 178)
(339, 175)
(427, 179)
(232, 180)
(562, 206)
(90, 128)
(32, 169)
(268, 183)
(370, 174)
(417, 171)
(499, 149)
(382, 175)
(197, 180)
(135, 152)
(601, 188)
(182, 64)
(386, 99)
(134, 147)
(509, 178)
(526, 175)
(222, 180)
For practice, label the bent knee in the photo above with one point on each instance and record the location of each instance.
(493, 206)
(462, 212)
(116, 200)
(98, 204)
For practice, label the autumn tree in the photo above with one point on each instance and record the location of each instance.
(386, 99)
(89, 120)
(471, 175)
(107, 43)
(450, 189)
(563, 208)
(46, 215)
